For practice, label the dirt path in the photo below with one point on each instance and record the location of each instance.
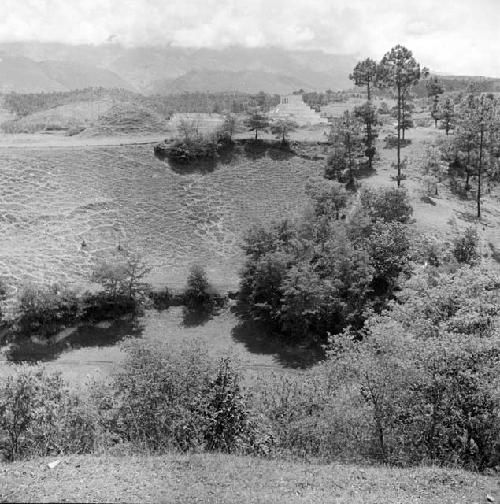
(55, 140)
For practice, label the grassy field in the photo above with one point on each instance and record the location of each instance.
(227, 479)
(53, 199)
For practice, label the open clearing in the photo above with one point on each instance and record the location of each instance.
(217, 478)
(53, 200)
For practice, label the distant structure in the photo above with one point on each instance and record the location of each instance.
(293, 107)
(202, 123)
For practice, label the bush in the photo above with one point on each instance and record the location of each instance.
(161, 299)
(46, 309)
(466, 247)
(197, 292)
(190, 150)
(387, 204)
(391, 142)
(225, 413)
(431, 400)
(39, 416)
(103, 305)
(176, 399)
(123, 278)
(465, 301)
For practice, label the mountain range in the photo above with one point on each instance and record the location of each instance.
(44, 67)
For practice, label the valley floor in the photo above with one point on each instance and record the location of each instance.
(227, 479)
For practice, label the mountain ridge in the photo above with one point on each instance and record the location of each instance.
(147, 69)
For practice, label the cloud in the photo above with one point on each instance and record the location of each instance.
(451, 35)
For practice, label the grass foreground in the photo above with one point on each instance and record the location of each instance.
(217, 478)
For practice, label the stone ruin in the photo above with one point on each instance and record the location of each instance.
(293, 107)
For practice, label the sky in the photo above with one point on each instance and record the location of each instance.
(450, 36)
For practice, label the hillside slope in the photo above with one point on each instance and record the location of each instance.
(24, 75)
(79, 75)
(141, 67)
(221, 479)
(244, 81)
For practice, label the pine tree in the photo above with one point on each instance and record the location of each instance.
(434, 89)
(400, 70)
(348, 150)
(365, 73)
(367, 113)
(476, 139)
(447, 115)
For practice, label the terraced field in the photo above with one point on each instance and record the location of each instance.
(53, 200)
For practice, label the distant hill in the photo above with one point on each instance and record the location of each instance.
(80, 75)
(35, 67)
(174, 69)
(457, 83)
(218, 81)
(24, 75)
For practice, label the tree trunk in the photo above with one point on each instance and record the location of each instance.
(369, 144)
(255, 133)
(381, 441)
(399, 135)
(467, 180)
(480, 169)
(368, 91)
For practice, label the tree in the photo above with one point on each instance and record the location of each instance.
(447, 115)
(122, 278)
(282, 127)
(433, 168)
(477, 133)
(256, 121)
(365, 73)
(367, 113)
(434, 89)
(347, 140)
(228, 127)
(406, 111)
(400, 70)
(188, 129)
(197, 291)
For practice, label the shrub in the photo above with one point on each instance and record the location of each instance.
(46, 309)
(123, 278)
(391, 142)
(171, 398)
(39, 416)
(197, 291)
(124, 288)
(329, 198)
(387, 204)
(161, 299)
(155, 396)
(466, 247)
(225, 413)
(192, 149)
(430, 400)
(465, 301)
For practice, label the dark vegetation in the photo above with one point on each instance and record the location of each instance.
(46, 310)
(321, 274)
